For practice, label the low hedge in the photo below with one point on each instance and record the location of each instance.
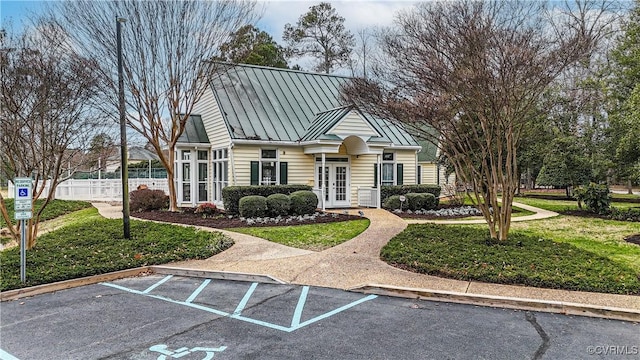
(390, 190)
(253, 206)
(231, 195)
(421, 201)
(278, 205)
(303, 202)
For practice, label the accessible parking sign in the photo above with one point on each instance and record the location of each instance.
(23, 197)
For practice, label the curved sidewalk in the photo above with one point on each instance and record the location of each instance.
(356, 263)
(538, 214)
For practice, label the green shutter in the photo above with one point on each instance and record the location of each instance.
(375, 175)
(400, 173)
(255, 171)
(419, 176)
(283, 173)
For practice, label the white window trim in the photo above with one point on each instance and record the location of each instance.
(394, 168)
(277, 166)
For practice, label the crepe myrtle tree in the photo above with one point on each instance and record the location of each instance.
(474, 71)
(167, 47)
(46, 106)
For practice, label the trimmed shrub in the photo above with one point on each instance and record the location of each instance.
(207, 209)
(390, 190)
(145, 199)
(421, 201)
(431, 202)
(303, 202)
(253, 206)
(231, 195)
(278, 205)
(393, 203)
(596, 198)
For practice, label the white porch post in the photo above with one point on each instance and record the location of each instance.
(379, 184)
(322, 182)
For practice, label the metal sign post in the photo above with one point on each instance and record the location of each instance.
(22, 209)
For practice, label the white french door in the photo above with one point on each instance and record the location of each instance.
(336, 185)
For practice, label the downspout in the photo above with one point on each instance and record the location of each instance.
(233, 164)
(379, 165)
(322, 182)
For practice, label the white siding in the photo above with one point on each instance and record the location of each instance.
(408, 160)
(353, 124)
(429, 176)
(428, 173)
(212, 119)
(362, 174)
(299, 165)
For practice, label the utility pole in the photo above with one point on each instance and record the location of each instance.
(123, 134)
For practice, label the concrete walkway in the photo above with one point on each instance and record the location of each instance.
(356, 263)
(538, 214)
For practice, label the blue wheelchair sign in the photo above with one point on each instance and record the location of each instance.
(23, 192)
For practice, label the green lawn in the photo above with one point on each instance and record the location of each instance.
(467, 253)
(93, 245)
(598, 236)
(565, 205)
(315, 237)
(54, 209)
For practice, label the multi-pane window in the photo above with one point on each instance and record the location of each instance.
(388, 168)
(220, 172)
(268, 166)
(185, 180)
(203, 172)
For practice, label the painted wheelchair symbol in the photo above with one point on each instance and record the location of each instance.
(176, 354)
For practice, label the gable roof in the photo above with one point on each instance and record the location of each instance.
(194, 132)
(261, 103)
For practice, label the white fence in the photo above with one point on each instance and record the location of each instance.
(368, 197)
(98, 190)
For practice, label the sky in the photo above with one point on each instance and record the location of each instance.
(357, 13)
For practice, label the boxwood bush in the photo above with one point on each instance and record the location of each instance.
(253, 206)
(390, 190)
(421, 201)
(393, 203)
(231, 195)
(278, 205)
(303, 202)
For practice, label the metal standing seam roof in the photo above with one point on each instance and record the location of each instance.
(261, 103)
(194, 132)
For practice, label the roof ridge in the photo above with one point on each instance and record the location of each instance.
(334, 109)
(282, 69)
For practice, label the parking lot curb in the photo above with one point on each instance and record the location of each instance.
(145, 270)
(549, 306)
(68, 284)
(219, 275)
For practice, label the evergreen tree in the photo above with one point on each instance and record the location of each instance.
(320, 33)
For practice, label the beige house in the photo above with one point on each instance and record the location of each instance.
(265, 126)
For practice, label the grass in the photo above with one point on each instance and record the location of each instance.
(93, 245)
(467, 253)
(599, 236)
(315, 237)
(54, 209)
(565, 205)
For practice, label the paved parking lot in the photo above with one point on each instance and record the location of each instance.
(172, 317)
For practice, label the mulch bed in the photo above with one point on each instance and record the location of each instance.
(221, 221)
(634, 239)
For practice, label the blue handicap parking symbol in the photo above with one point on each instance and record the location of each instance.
(24, 192)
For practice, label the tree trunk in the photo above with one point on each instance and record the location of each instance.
(629, 187)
